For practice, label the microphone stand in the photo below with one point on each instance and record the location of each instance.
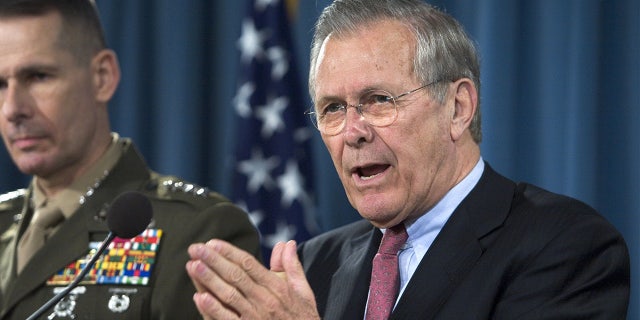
(75, 281)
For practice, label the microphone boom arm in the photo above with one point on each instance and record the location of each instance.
(75, 281)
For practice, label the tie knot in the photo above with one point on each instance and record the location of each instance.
(393, 240)
(47, 216)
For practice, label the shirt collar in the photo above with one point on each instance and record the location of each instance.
(433, 220)
(68, 199)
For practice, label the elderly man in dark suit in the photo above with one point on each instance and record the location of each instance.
(395, 86)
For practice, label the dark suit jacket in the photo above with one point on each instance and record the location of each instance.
(509, 251)
(185, 216)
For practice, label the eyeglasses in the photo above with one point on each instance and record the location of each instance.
(379, 108)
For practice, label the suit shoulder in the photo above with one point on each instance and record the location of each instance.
(559, 213)
(536, 198)
(13, 200)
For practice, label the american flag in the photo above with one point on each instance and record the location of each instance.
(272, 176)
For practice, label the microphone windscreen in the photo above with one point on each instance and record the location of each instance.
(129, 215)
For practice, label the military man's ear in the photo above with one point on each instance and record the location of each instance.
(106, 74)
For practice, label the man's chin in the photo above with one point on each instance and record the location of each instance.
(31, 165)
(381, 217)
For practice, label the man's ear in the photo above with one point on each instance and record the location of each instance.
(106, 74)
(466, 104)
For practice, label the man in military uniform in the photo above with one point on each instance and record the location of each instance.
(56, 78)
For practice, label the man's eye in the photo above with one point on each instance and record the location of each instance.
(379, 98)
(332, 108)
(38, 76)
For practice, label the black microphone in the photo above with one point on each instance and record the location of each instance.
(129, 215)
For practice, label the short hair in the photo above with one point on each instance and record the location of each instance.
(444, 51)
(82, 31)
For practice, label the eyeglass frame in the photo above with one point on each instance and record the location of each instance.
(313, 115)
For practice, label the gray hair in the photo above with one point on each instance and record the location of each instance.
(444, 51)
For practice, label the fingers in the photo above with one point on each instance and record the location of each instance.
(196, 283)
(233, 284)
(222, 280)
(235, 278)
(237, 264)
(242, 270)
(210, 308)
(199, 286)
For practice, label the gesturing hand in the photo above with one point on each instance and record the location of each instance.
(232, 284)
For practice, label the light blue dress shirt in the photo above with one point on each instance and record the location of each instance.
(424, 230)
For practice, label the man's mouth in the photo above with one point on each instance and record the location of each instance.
(23, 141)
(372, 171)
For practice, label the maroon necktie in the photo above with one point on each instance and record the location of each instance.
(385, 278)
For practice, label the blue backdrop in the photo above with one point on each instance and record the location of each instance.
(560, 97)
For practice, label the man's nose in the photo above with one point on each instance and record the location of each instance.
(356, 128)
(14, 103)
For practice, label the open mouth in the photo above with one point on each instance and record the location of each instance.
(370, 172)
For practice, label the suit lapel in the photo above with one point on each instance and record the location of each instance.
(350, 283)
(457, 248)
(24, 215)
(449, 258)
(69, 243)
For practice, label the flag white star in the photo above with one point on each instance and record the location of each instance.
(302, 134)
(242, 99)
(284, 232)
(250, 42)
(279, 61)
(271, 116)
(258, 170)
(256, 216)
(291, 184)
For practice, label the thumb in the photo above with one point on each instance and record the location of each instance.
(294, 270)
(276, 263)
(302, 297)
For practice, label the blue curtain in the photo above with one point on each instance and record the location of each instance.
(560, 97)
